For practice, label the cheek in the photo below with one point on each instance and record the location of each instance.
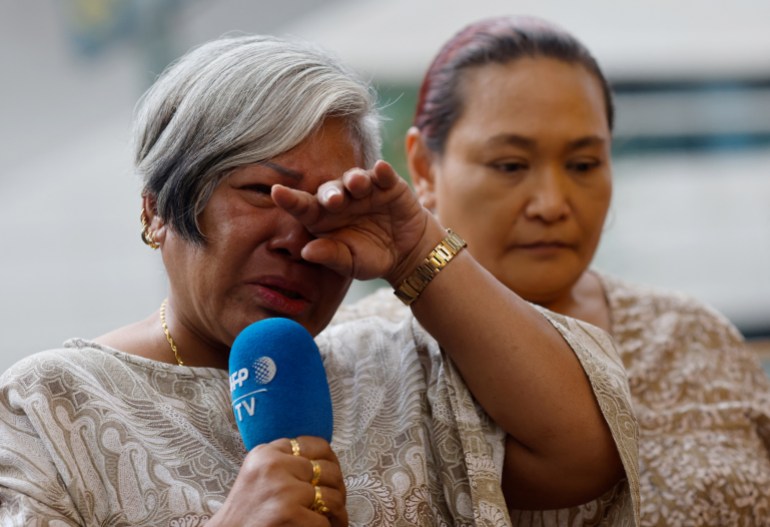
(179, 255)
(486, 227)
(233, 239)
(601, 203)
(461, 199)
(593, 214)
(334, 289)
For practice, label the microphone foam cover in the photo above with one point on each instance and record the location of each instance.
(278, 383)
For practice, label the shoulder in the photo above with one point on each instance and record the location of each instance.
(38, 367)
(82, 366)
(60, 374)
(623, 293)
(590, 343)
(651, 306)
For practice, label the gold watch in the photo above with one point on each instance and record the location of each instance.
(411, 288)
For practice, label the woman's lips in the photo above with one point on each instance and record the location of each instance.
(542, 244)
(282, 298)
(543, 248)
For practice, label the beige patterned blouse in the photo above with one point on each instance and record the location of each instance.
(701, 398)
(418, 397)
(703, 404)
(93, 436)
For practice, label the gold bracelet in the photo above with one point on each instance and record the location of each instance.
(411, 288)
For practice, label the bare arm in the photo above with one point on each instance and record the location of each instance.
(527, 378)
(517, 365)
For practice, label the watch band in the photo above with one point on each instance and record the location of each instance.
(411, 288)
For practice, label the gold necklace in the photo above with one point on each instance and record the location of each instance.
(168, 334)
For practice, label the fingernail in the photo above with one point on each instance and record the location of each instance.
(329, 193)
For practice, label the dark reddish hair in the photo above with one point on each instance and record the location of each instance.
(493, 40)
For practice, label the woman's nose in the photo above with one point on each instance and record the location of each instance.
(548, 200)
(290, 237)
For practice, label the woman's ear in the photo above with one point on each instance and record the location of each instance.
(419, 160)
(156, 227)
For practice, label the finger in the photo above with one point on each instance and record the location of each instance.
(271, 486)
(299, 204)
(316, 474)
(310, 518)
(309, 447)
(329, 503)
(384, 176)
(329, 253)
(319, 463)
(340, 522)
(296, 450)
(289, 469)
(358, 182)
(332, 195)
(323, 473)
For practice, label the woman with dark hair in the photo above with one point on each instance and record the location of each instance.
(511, 145)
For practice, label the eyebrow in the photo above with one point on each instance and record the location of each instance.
(591, 140)
(284, 171)
(511, 139)
(526, 142)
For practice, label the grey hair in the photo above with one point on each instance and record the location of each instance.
(237, 101)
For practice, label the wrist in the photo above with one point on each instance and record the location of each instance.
(411, 287)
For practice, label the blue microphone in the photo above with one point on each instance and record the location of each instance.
(278, 383)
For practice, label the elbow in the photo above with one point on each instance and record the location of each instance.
(541, 481)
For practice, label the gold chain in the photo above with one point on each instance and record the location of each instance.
(168, 334)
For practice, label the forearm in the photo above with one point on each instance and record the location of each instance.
(519, 368)
(369, 224)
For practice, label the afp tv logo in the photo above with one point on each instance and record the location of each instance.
(252, 380)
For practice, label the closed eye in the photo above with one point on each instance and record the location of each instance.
(258, 188)
(510, 167)
(257, 194)
(583, 166)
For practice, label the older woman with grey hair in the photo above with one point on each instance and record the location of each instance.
(248, 148)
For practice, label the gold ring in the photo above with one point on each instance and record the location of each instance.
(316, 472)
(318, 502)
(295, 447)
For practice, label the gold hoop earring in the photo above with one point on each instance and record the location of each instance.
(147, 237)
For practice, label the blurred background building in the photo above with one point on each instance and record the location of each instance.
(692, 146)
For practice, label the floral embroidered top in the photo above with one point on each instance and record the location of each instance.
(703, 404)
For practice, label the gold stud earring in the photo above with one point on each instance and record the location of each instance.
(147, 237)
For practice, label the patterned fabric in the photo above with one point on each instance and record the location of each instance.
(615, 507)
(92, 436)
(703, 405)
(702, 401)
(448, 453)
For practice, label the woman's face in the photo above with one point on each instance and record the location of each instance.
(250, 266)
(525, 176)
